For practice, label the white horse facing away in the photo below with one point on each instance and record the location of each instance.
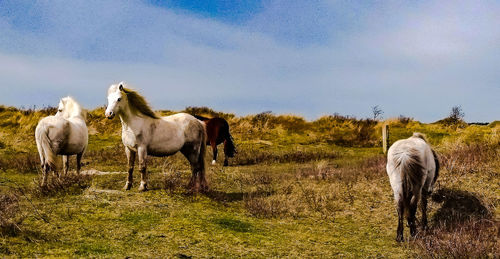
(64, 133)
(413, 168)
(144, 133)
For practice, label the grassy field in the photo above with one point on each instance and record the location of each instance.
(295, 189)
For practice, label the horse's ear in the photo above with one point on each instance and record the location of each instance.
(121, 87)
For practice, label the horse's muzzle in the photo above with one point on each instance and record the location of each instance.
(110, 115)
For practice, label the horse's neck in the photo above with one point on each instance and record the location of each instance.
(133, 122)
(77, 118)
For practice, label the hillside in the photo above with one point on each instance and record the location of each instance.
(295, 188)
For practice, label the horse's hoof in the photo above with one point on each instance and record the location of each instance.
(127, 186)
(213, 162)
(226, 163)
(143, 187)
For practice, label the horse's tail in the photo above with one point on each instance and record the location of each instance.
(44, 144)
(229, 146)
(436, 162)
(203, 149)
(410, 167)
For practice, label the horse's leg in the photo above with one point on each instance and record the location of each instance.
(46, 170)
(65, 164)
(423, 208)
(190, 154)
(131, 159)
(193, 155)
(214, 149)
(200, 166)
(411, 214)
(78, 162)
(401, 211)
(226, 161)
(142, 154)
(56, 173)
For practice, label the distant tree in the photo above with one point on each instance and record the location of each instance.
(377, 112)
(457, 114)
(404, 119)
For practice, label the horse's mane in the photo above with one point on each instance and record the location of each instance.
(138, 103)
(73, 108)
(419, 135)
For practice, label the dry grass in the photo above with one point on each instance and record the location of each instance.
(459, 158)
(290, 180)
(70, 183)
(464, 226)
(9, 213)
(293, 194)
(252, 156)
(470, 239)
(22, 162)
(174, 180)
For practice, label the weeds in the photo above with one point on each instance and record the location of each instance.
(10, 218)
(471, 239)
(64, 184)
(173, 181)
(22, 162)
(263, 156)
(464, 159)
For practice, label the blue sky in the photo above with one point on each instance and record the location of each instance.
(311, 58)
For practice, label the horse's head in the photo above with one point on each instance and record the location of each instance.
(68, 107)
(116, 100)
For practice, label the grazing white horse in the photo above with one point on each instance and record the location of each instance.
(413, 168)
(62, 134)
(144, 133)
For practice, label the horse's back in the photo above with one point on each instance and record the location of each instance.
(186, 124)
(421, 152)
(66, 136)
(217, 129)
(415, 144)
(183, 120)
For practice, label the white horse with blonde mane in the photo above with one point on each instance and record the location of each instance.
(146, 134)
(413, 168)
(62, 134)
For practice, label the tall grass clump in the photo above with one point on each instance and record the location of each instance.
(472, 239)
(347, 131)
(22, 162)
(64, 184)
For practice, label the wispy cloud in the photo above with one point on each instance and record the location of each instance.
(311, 58)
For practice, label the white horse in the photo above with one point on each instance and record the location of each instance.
(144, 133)
(62, 134)
(413, 168)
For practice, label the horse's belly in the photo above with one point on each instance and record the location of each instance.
(75, 144)
(72, 149)
(166, 149)
(160, 154)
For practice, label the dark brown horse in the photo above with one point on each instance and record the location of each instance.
(218, 132)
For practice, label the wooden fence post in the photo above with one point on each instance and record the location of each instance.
(385, 138)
